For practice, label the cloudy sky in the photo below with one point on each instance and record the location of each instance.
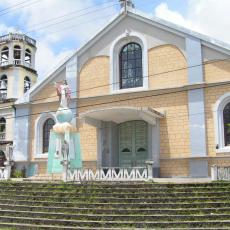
(61, 26)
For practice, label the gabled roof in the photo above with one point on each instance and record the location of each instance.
(160, 23)
(154, 21)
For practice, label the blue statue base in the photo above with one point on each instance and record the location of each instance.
(55, 158)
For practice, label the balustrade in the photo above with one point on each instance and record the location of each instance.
(220, 173)
(4, 173)
(108, 174)
(17, 62)
(17, 37)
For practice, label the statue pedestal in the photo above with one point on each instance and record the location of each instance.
(64, 144)
(55, 159)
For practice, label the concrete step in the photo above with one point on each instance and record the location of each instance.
(130, 211)
(85, 194)
(32, 227)
(119, 188)
(116, 224)
(89, 190)
(118, 205)
(128, 200)
(27, 205)
(116, 185)
(115, 217)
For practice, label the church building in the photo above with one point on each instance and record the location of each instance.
(142, 89)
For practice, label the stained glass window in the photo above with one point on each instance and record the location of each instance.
(131, 66)
(226, 118)
(48, 125)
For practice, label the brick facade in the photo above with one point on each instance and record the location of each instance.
(167, 93)
(94, 77)
(174, 129)
(174, 136)
(163, 61)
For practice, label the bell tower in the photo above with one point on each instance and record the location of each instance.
(17, 75)
(17, 65)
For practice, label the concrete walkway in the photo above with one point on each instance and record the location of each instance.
(182, 180)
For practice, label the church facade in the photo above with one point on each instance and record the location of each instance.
(142, 89)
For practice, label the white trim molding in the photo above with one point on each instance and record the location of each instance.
(118, 43)
(219, 123)
(39, 134)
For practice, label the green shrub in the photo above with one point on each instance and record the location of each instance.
(18, 173)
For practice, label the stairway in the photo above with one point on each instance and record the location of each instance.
(27, 205)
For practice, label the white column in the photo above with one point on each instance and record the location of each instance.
(214, 172)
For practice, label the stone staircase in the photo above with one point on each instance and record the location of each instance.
(27, 205)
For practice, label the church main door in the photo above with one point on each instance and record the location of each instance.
(133, 144)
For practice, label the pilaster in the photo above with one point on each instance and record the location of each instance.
(196, 106)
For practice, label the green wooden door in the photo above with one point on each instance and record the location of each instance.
(133, 144)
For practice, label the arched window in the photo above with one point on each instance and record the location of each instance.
(2, 158)
(27, 56)
(5, 56)
(27, 84)
(3, 87)
(17, 55)
(2, 128)
(48, 125)
(222, 123)
(226, 120)
(130, 60)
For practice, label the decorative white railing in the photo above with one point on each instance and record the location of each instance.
(220, 173)
(108, 174)
(17, 37)
(17, 61)
(3, 173)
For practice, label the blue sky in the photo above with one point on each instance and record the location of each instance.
(149, 5)
(72, 22)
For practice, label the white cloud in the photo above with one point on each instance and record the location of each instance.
(47, 60)
(162, 11)
(210, 17)
(38, 15)
(4, 29)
